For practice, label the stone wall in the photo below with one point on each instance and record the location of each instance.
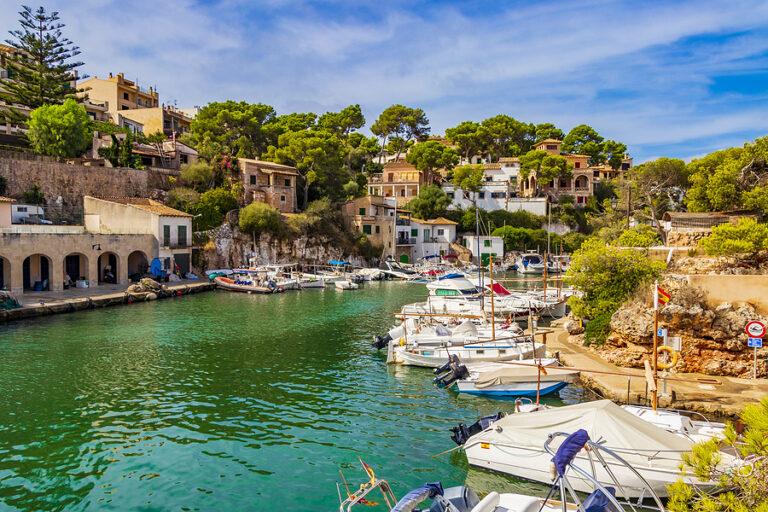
(72, 182)
(713, 338)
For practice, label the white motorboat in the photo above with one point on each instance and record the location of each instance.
(513, 445)
(680, 423)
(395, 270)
(530, 262)
(514, 379)
(345, 285)
(311, 281)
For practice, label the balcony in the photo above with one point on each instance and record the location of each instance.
(406, 241)
(403, 222)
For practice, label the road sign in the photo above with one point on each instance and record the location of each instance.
(662, 332)
(755, 329)
(755, 342)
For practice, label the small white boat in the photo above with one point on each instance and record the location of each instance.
(345, 285)
(514, 379)
(311, 282)
(530, 262)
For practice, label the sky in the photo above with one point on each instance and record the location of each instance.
(668, 78)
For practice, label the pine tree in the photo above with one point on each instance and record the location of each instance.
(39, 65)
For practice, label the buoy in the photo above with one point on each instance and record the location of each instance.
(675, 357)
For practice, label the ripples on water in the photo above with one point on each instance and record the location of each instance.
(222, 401)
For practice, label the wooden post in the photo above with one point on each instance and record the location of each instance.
(655, 393)
(493, 311)
(545, 276)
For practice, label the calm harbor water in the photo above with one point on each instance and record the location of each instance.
(223, 401)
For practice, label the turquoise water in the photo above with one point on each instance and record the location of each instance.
(223, 401)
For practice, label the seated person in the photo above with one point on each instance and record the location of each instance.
(109, 277)
(67, 281)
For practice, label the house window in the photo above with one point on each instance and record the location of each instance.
(124, 107)
(361, 211)
(288, 182)
(126, 96)
(367, 229)
(390, 177)
(378, 229)
(402, 193)
(426, 235)
(166, 236)
(487, 243)
(465, 195)
(481, 195)
(625, 167)
(182, 236)
(414, 232)
(451, 195)
(253, 179)
(577, 165)
(497, 195)
(596, 174)
(282, 198)
(183, 159)
(552, 146)
(440, 232)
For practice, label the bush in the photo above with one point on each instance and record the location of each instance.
(641, 235)
(747, 237)
(184, 199)
(520, 239)
(518, 219)
(201, 175)
(597, 329)
(212, 207)
(320, 217)
(572, 241)
(741, 490)
(62, 131)
(33, 195)
(607, 275)
(259, 218)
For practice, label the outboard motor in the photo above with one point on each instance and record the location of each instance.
(379, 342)
(462, 498)
(272, 285)
(462, 432)
(455, 371)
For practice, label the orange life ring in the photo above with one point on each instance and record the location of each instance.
(675, 357)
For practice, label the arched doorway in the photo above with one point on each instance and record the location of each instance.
(5, 274)
(108, 268)
(76, 268)
(36, 270)
(581, 182)
(137, 264)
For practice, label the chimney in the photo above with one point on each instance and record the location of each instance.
(110, 75)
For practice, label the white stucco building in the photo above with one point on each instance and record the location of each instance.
(489, 246)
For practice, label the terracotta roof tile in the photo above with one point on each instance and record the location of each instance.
(269, 167)
(439, 220)
(6, 200)
(146, 204)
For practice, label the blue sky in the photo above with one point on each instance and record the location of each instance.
(675, 79)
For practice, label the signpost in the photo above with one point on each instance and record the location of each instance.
(755, 331)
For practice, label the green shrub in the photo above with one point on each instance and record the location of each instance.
(518, 219)
(597, 329)
(259, 218)
(33, 195)
(62, 131)
(747, 237)
(212, 207)
(641, 235)
(184, 199)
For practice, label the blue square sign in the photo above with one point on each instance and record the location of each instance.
(755, 342)
(661, 332)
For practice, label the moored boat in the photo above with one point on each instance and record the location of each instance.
(247, 286)
(345, 285)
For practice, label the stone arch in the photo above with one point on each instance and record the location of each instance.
(37, 272)
(76, 266)
(581, 182)
(108, 267)
(138, 263)
(6, 282)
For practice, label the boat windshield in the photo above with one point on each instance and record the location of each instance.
(533, 258)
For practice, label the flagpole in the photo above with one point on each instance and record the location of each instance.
(654, 392)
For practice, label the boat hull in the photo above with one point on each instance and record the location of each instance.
(514, 390)
(229, 285)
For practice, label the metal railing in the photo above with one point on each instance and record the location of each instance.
(406, 241)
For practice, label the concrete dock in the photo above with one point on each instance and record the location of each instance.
(77, 299)
(707, 394)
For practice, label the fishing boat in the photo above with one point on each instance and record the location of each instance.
(345, 285)
(525, 378)
(395, 270)
(239, 284)
(513, 446)
(311, 281)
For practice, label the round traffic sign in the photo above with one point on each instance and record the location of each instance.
(755, 329)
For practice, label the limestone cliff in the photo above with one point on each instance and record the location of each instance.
(227, 247)
(713, 340)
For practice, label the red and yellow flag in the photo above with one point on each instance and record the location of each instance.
(368, 470)
(663, 296)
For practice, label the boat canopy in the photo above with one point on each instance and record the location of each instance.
(334, 262)
(634, 439)
(511, 374)
(450, 276)
(430, 256)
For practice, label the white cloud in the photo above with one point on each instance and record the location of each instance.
(639, 72)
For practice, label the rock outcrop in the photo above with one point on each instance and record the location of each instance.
(713, 340)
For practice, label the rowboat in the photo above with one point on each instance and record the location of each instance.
(345, 285)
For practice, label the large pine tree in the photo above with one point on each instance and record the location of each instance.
(40, 68)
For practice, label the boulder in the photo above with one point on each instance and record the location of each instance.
(573, 327)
